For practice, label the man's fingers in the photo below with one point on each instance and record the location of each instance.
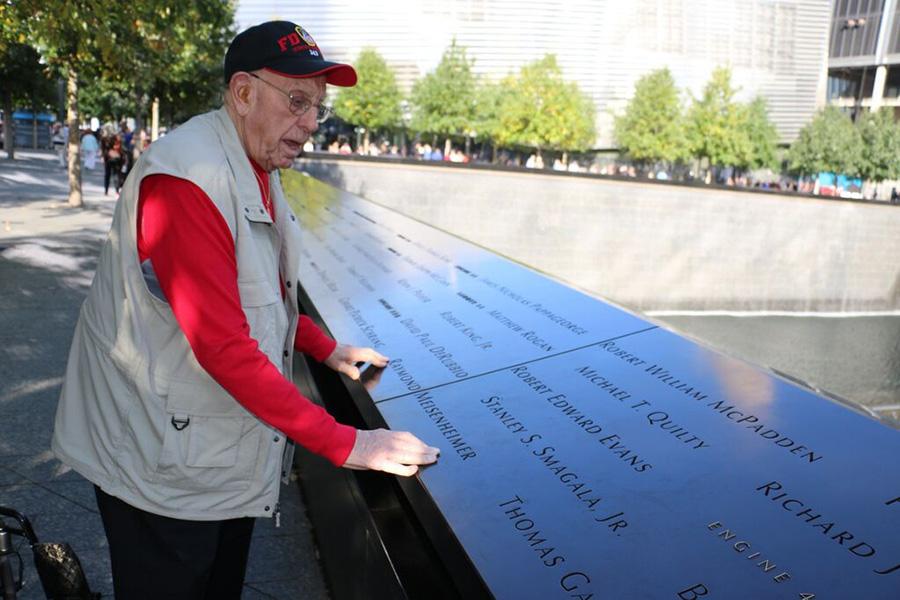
(414, 444)
(350, 370)
(398, 469)
(413, 457)
(396, 452)
(345, 358)
(379, 360)
(368, 355)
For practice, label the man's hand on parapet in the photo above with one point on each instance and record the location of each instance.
(397, 452)
(345, 358)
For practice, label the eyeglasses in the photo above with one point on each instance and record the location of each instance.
(300, 104)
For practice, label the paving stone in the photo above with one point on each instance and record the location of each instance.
(284, 558)
(20, 433)
(8, 476)
(80, 492)
(291, 589)
(82, 530)
(33, 500)
(42, 467)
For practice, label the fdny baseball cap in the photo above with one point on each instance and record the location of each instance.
(284, 48)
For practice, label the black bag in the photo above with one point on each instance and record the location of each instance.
(60, 571)
(57, 565)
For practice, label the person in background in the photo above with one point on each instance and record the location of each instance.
(89, 149)
(178, 402)
(127, 137)
(113, 162)
(59, 138)
(143, 140)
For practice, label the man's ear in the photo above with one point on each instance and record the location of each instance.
(242, 93)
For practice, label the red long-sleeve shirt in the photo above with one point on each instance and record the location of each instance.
(192, 252)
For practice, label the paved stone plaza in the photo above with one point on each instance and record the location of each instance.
(48, 255)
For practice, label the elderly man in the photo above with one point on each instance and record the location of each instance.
(178, 397)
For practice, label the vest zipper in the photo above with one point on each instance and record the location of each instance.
(277, 515)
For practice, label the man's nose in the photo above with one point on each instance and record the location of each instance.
(308, 120)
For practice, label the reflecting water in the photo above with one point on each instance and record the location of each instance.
(856, 357)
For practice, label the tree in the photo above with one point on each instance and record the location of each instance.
(504, 124)
(374, 102)
(12, 28)
(880, 137)
(107, 100)
(488, 107)
(24, 82)
(542, 110)
(79, 38)
(179, 65)
(716, 123)
(829, 143)
(139, 42)
(445, 100)
(762, 137)
(652, 127)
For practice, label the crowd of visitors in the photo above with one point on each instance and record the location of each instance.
(595, 164)
(118, 147)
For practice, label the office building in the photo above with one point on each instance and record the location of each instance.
(776, 48)
(864, 56)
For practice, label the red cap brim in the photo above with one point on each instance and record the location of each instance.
(335, 74)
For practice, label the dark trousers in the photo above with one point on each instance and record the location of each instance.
(112, 168)
(156, 557)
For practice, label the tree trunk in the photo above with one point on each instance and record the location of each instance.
(74, 149)
(448, 145)
(9, 140)
(140, 112)
(34, 135)
(154, 121)
(366, 142)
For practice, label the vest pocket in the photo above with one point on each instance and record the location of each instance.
(266, 317)
(210, 441)
(213, 442)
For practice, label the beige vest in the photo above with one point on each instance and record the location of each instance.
(138, 415)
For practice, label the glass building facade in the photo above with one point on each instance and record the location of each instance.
(864, 56)
(776, 48)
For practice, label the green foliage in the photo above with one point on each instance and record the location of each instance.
(489, 101)
(143, 47)
(445, 101)
(79, 34)
(180, 59)
(124, 53)
(495, 116)
(880, 136)
(541, 110)
(107, 100)
(829, 143)
(12, 26)
(762, 137)
(374, 102)
(652, 127)
(716, 123)
(24, 81)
